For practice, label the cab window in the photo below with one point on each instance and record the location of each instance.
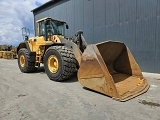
(41, 28)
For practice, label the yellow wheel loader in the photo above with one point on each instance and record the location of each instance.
(107, 67)
(8, 52)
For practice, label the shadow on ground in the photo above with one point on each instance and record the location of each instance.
(96, 92)
(39, 70)
(73, 78)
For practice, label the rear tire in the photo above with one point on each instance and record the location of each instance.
(59, 63)
(24, 61)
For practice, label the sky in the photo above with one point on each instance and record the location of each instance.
(15, 14)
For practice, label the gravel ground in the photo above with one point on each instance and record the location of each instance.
(35, 97)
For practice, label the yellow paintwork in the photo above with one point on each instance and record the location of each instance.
(22, 60)
(53, 64)
(55, 39)
(37, 44)
(6, 54)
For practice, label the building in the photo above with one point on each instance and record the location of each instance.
(134, 22)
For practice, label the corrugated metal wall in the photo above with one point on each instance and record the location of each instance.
(134, 22)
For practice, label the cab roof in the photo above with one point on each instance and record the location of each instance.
(49, 18)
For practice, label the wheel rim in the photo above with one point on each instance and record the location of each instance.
(22, 60)
(53, 64)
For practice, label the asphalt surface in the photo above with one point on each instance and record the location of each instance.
(35, 97)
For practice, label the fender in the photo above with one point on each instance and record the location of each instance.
(31, 54)
(23, 45)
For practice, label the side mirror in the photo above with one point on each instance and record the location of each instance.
(67, 27)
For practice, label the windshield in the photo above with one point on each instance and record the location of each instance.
(56, 27)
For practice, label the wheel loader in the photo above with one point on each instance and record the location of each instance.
(107, 67)
(8, 52)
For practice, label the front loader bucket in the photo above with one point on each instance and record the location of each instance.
(110, 68)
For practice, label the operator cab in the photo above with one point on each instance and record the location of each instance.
(49, 27)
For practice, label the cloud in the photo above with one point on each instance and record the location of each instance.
(38, 3)
(15, 14)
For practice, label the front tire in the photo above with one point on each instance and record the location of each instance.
(59, 63)
(24, 61)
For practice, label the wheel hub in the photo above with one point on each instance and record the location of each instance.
(53, 64)
(22, 60)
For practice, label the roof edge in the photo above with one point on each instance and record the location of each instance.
(47, 3)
